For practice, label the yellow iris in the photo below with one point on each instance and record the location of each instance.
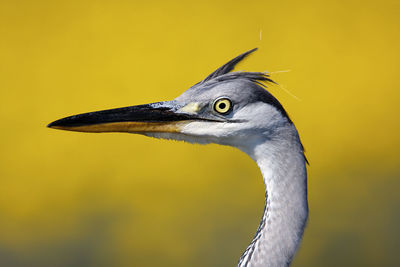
(222, 105)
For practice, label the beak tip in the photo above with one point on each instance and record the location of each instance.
(55, 124)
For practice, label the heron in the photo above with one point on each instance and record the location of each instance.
(233, 109)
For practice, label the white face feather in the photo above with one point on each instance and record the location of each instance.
(245, 125)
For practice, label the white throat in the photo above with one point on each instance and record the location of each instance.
(286, 210)
(277, 150)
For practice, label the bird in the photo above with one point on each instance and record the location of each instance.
(232, 108)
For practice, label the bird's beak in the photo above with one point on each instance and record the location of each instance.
(156, 117)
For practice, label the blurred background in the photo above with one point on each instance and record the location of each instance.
(76, 199)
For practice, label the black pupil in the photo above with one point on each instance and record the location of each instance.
(222, 105)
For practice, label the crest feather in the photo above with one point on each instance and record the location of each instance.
(227, 67)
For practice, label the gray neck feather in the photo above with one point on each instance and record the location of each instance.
(282, 164)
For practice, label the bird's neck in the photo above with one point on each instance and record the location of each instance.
(285, 214)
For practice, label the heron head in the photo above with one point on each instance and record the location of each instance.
(228, 108)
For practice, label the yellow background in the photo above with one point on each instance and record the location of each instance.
(75, 199)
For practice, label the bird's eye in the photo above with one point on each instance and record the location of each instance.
(222, 105)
